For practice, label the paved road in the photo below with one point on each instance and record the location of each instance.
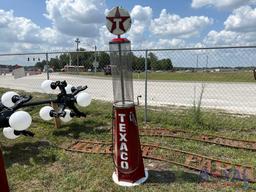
(232, 97)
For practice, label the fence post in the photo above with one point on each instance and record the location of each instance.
(47, 66)
(146, 87)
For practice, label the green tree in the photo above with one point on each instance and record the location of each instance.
(54, 63)
(165, 64)
(138, 63)
(86, 59)
(152, 61)
(104, 59)
(41, 65)
(64, 60)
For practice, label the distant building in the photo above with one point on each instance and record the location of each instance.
(17, 66)
(50, 70)
(5, 69)
(223, 70)
(73, 68)
(32, 70)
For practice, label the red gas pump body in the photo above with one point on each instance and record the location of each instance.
(127, 149)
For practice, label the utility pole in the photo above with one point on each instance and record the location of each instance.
(47, 66)
(196, 62)
(77, 61)
(95, 59)
(95, 48)
(70, 60)
(206, 62)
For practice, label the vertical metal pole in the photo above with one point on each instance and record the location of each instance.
(121, 72)
(206, 62)
(47, 66)
(196, 62)
(77, 61)
(70, 60)
(95, 59)
(146, 87)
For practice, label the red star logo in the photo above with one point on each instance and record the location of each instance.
(118, 21)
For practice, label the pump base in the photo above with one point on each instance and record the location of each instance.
(128, 184)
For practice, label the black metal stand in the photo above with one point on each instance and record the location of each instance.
(63, 101)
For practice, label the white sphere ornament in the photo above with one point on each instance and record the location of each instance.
(83, 99)
(8, 132)
(20, 120)
(6, 98)
(44, 113)
(46, 86)
(68, 89)
(67, 117)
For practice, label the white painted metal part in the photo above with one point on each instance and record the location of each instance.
(128, 184)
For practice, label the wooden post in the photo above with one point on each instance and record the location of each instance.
(57, 122)
(3, 177)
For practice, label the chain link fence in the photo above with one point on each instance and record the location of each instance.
(219, 79)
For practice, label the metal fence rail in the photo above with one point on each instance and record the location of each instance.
(218, 78)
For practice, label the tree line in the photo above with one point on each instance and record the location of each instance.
(153, 63)
(86, 59)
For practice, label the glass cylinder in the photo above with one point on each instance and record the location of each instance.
(121, 69)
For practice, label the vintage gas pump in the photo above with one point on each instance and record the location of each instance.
(129, 167)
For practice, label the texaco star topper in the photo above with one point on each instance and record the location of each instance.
(118, 21)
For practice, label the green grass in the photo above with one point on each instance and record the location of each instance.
(37, 164)
(238, 76)
(235, 76)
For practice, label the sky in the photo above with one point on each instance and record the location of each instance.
(53, 25)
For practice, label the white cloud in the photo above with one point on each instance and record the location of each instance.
(167, 43)
(228, 38)
(221, 4)
(21, 34)
(142, 14)
(53, 38)
(141, 34)
(104, 39)
(221, 38)
(160, 44)
(240, 29)
(76, 17)
(242, 19)
(86, 19)
(17, 29)
(174, 26)
(141, 17)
